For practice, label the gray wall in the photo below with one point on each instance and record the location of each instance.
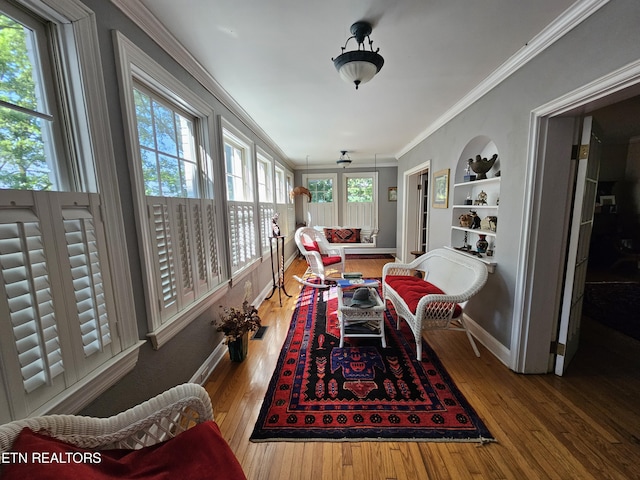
(178, 360)
(604, 42)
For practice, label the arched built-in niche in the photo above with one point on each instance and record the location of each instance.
(469, 196)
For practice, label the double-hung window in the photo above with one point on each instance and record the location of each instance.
(243, 237)
(360, 201)
(63, 338)
(323, 207)
(284, 204)
(170, 131)
(266, 204)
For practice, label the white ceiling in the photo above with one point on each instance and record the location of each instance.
(274, 58)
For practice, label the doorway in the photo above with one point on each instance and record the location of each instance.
(543, 248)
(532, 337)
(415, 225)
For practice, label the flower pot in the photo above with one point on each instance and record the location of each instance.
(238, 348)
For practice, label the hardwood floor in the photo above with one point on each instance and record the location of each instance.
(585, 425)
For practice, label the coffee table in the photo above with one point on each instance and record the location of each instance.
(360, 322)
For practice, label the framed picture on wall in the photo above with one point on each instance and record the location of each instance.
(393, 194)
(441, 189)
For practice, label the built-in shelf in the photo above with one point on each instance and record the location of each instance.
(476, 190)
(477, 231)
(488, 261)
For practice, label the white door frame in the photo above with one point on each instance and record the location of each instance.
(528, 356)
(408, 213)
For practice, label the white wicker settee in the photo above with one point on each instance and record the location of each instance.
(436, 299)
(172, 432)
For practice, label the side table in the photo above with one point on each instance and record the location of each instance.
(360, 322)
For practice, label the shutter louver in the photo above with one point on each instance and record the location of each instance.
(185, 248)
(87, 280)
(199, 242)
(29, 300)
(214, 268)
(164, 252)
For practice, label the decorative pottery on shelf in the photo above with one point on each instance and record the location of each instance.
(482, 165)
(482, 244)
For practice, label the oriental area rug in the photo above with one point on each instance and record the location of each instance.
(361, 392)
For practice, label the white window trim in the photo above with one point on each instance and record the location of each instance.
(133, 63)
(79, 35)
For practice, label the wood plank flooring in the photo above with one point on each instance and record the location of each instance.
(585, 425)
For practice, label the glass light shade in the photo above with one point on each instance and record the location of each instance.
(358, 72)
(358, 66)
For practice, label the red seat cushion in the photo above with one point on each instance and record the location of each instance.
(199, 452)
(326, 261)
(412, 289)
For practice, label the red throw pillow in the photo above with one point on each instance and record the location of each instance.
(198, 453)
(311, 247)
(412, 289)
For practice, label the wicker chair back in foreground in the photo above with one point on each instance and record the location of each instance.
(154, 421)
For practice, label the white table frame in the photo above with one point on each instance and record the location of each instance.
(354, 316)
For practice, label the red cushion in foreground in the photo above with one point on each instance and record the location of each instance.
(412, 289)
(198, 453)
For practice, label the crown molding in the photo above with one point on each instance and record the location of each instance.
(150, 25)
(573, 16)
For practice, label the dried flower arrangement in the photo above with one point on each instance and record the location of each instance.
(235, 322)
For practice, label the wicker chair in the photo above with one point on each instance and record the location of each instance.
(456, 278)
(322, 258)
(151, 422)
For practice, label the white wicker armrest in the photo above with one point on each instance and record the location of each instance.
(153, 421)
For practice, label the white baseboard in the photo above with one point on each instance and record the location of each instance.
(501, 352)
(209, 365)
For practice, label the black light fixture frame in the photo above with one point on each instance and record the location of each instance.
(360, 31)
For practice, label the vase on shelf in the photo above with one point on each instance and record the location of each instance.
(482, 244)
(238, 348)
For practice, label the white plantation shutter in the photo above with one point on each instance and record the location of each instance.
(242, 234)
(184, 250)
(213, 262)
(56, 291)
(162, 238)
(28, 296)
(88, 285)
(205, 244)
(267, 210)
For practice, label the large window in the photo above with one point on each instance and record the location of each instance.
(243, 237)
(265, 197)
(59, 344)
(30, 145)
(172, 175)
(360, 201)
(323, 207)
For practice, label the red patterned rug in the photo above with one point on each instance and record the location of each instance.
(362, 391)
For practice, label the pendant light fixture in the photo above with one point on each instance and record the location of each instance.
(344, 159)
(361, 65)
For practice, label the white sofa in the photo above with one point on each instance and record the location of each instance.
(436, 298)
